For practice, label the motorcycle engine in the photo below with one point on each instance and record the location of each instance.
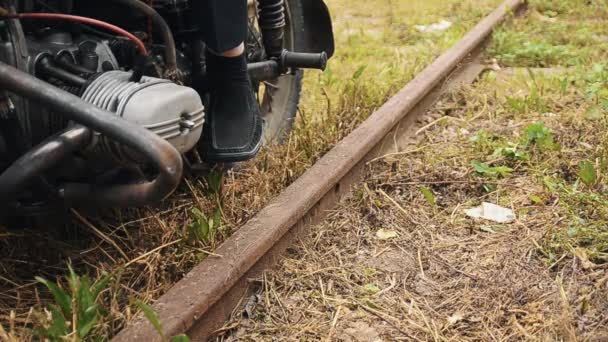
(98, 68)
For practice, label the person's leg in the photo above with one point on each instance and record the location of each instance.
(234, 128)
(223, 23)
(237, 51)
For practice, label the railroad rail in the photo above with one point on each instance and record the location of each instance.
(205, 298)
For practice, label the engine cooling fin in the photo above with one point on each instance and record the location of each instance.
(173, 112)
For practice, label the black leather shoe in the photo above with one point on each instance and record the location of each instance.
(233, 130)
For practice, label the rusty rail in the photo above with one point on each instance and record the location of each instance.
(202, 301)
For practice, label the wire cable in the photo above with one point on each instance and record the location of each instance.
(89, 21)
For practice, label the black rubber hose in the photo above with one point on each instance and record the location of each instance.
(161, 25)
(46, 67)
(162, 155)
(75, 68)
(41, 158)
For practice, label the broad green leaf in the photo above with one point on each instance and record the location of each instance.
(535, 199)
(85, 297)
(549, 184)
(587, 173)
(61, 297)
(359, 72)
(480, 136)
(100, 285)
(180, 338)
(217, 218)
(203, 230)
(87, 321)
(485, 170)
(371, 288)
(214, 180)
(594, 113)
(428, 194)
(200, 228)
(73, 280)
(59, 327)
(515, 103)
(539, 134)
(511, 151)
(152, 316)
(369, 271)
(198, 215)
(503, 171)
(482, 168)
(371, 304)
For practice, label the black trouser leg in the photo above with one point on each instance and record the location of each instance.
(223, 23)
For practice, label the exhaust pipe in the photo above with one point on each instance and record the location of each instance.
(165, 158)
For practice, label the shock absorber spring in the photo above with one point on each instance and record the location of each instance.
(271, 19)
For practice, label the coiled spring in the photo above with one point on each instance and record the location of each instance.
(272, 22)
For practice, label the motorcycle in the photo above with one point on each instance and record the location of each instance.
(90, 115)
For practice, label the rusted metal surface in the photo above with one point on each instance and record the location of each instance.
(202, 301)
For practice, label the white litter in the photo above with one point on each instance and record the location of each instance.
(492, 212)
(385, 234)
(437, 27)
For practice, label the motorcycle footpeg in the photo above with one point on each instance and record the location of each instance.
(273, 68)
(289, 59)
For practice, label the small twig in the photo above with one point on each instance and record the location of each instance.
(558, 261)
(209, 253)
(396, 154)
(403, 211)
(322, 291)
(424, 128)
(521, 329)
(333, 324)
(195, 194)
(145, 255)
(441, 261)
(420, 264)
(381, 252)
(3, 335)
(394, 322)
(460, 182)
(9, 281)
(99, 233)
(317, 271)
(390, 287)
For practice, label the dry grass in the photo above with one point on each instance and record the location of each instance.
(445, 276)
(147, 250)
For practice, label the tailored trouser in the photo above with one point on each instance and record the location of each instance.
(223, 23)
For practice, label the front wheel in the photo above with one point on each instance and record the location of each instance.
(278, 98)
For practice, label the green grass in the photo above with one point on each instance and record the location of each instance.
(574, 102)
(532, 138)
(558, 146)
(378, 52)
(558, 33)
(379, 38)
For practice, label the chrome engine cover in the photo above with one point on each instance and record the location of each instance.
(174, 112)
